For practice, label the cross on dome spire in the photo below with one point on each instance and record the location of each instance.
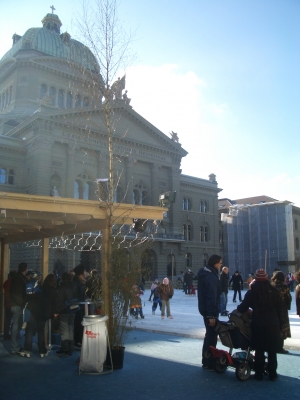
(52, 8)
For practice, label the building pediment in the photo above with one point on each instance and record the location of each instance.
(128, 126)
(88, 127)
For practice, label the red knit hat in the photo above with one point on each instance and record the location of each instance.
(260, 275)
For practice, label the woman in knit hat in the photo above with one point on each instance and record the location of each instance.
(165, 291)
(267, 323)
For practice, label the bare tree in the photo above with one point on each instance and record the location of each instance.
(100, 30)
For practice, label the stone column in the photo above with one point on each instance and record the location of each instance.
(154, 185)
(40, 161)
(70, 172)
(129, 180)
(174, 212)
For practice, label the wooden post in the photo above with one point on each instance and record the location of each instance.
(105, 258)
(4, 270)
(45, 258)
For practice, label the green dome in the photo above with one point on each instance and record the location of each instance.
(52, 43)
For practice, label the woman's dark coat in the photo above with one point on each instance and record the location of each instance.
(42, 305)
(267, 319)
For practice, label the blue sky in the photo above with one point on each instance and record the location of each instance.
(223, 74)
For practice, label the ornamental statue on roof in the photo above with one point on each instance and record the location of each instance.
(174, 136)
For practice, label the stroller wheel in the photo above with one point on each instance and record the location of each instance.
(242, 371)
(219, 367)
(223, 360)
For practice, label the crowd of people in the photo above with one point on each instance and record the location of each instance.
(29, 304)
(267, 300)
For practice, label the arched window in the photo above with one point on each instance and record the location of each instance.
(136, 196)
(140, 195)
(11, 175)
(84, 187)
(203, 206)
(7, 102)
(88, 191)
(52, 93)
(297, 243)
(118, 197)
(296, 224)
(60, 98)
(69, 100)
(187, 232)
(43, 91)
(76, 190)
(186, 204)
(204, 233)
(2, 175)
(78, 100)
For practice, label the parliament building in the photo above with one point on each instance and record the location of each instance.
(53, 142)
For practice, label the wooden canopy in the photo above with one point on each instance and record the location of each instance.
(26, 217)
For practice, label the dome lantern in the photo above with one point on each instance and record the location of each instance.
(52, 22)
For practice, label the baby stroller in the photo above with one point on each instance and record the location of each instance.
(235, 334)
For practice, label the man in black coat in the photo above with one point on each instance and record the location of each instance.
(237, 284)
(17, 295)
(188, 280)
(224, 278)
(208, 304)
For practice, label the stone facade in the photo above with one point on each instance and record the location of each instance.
(53, 141)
